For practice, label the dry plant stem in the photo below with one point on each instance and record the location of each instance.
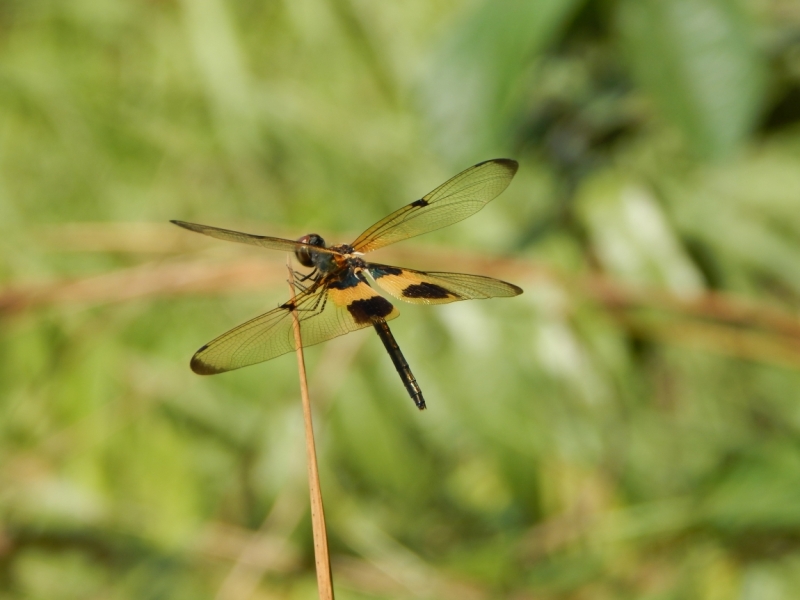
(321, 556)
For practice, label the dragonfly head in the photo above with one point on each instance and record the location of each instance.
(305, 255)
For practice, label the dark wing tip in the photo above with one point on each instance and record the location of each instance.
(517, 290)
(183, 224)
(201, 368)
(193, 227)
(508, 163)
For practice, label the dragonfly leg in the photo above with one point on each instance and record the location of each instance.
(313, 308)
(307, 276)
(298, 279)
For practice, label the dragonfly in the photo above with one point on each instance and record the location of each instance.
(336, 296)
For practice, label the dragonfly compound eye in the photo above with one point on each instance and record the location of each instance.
(304, 253)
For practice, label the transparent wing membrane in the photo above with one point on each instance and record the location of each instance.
(324, 311)
(455, 200)
(263, 241)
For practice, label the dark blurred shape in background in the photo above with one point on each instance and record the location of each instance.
(627, 428)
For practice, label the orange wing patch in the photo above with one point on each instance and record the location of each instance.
(415, 287)
(363, 303)
(419, 287)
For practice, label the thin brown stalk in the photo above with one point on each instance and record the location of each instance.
(321, 555)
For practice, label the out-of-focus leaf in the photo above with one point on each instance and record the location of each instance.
(221, 66)
(698, 61)
(766, 581)
(632, 237)
(42, 575)
(760, 493)
(472, 88)
(747, 213)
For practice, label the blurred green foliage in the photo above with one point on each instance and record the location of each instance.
(628, 428)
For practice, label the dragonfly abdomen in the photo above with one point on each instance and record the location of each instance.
(382, 327)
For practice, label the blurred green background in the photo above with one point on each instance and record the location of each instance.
(627, 428)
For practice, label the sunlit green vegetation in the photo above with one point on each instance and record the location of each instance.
(627, 428)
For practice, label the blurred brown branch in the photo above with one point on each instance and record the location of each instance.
(713, 321)
(145, 281)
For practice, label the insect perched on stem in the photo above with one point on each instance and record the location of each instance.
(336, 297)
